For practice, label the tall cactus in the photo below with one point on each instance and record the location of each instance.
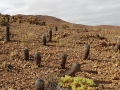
(8, 19)
(7, 33)
(37, 58)
(56, 28)
(44, 39)
(86, 51)
(50, 34)
(64, 57)
(26, 54)
(39, 84)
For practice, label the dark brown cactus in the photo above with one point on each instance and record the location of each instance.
(50, 34)
(117, 46)
(37, 58)
(8, 19)
(7, 34)
(26, 54)
(75, 68)
(39, 84)
(86, 51)
(56, 28)
(44, 39)
(64, 57)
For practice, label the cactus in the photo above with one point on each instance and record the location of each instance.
(56, 28)
(7, 34)
(117, 46)
(8, 19)
(37, 58)
(86, 51)
(75, 68)
(44, 39)
(50, 34)
(26, 54)
(39, 84)
(64, 57)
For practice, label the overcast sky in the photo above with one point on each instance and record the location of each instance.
(88, 12)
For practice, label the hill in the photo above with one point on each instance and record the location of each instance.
(26, 32)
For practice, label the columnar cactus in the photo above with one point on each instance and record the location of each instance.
(64, 57)
(75, 68)
(26, 54)
(37, 58)
(117, 46)
(39, 84)
(44, 39)
(50, 34)
(7, 34)
(86, 51)
(56, 28)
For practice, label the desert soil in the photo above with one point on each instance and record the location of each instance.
(103, 64)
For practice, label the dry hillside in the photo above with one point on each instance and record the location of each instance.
(102, 64)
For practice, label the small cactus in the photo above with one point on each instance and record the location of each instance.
(75, 68)
(50, 34)
(26, 54)
(7, 34)
(39, 84)
(8, 19)
(44, 39)
(86, 51)
(64, 57)
(37, 58)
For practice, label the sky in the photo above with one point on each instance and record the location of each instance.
(87, 12)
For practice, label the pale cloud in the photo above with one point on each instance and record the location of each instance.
(88, 12)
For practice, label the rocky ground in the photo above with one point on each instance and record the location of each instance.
(103, 64)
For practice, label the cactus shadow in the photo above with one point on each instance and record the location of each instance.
(52, 41)
(63, 71)
(49, 45)
(102, 82)
(91, 71)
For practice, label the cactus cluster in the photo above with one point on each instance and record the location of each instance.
(34, 20)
